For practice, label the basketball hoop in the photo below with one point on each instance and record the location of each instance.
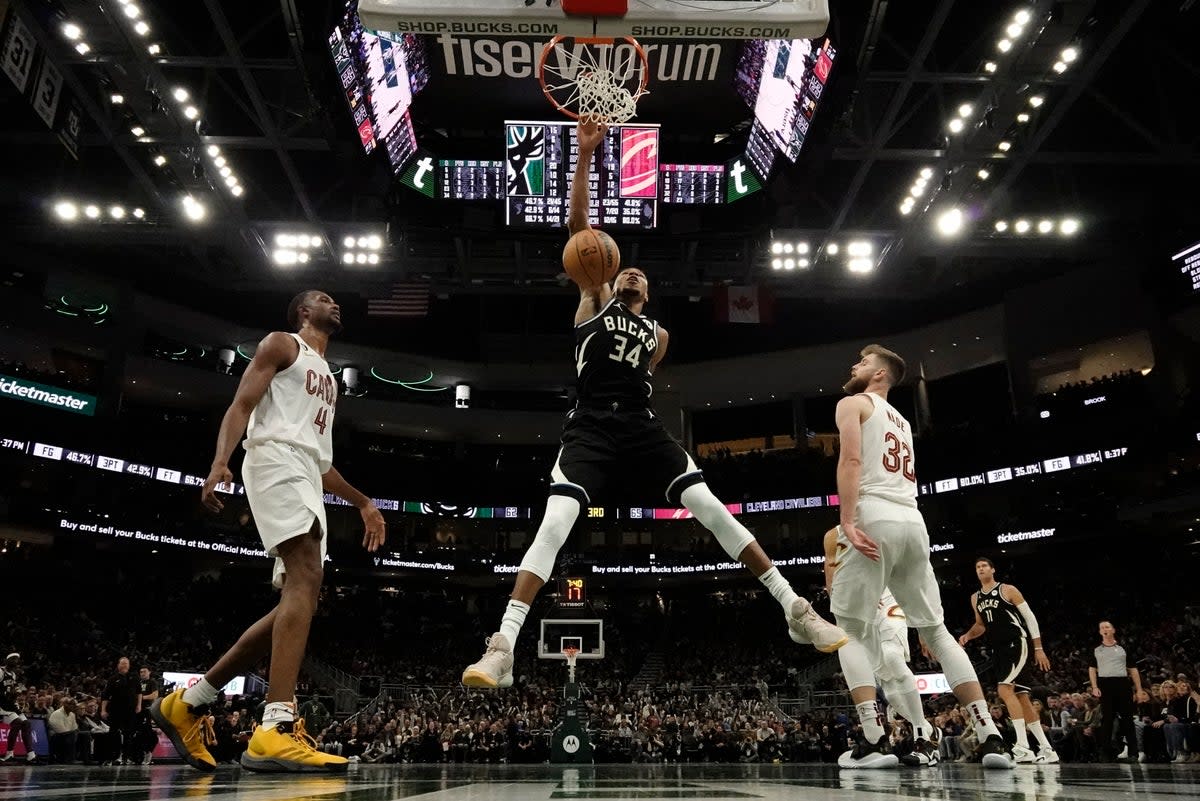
(595, 78)
(571, 653)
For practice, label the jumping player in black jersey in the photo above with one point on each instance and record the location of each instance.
(613, 443)
(1003, 613)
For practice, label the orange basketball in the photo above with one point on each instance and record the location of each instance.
(591, 258)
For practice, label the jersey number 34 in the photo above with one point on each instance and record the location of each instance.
(634, 356)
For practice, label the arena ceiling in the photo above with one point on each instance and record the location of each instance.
(1105, 140)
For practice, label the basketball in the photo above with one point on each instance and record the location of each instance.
(591, 258)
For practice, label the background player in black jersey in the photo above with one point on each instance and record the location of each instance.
(1003, 613)
(613, 443)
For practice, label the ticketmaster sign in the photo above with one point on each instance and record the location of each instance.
(43, 395)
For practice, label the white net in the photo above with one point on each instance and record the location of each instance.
(602, 82)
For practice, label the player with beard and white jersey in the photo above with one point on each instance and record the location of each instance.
(889, 544)
(614, 447)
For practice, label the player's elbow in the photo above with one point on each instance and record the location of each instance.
(849, 461)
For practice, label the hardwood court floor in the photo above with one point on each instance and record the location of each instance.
(642, 782)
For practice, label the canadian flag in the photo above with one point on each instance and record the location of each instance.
(742, 304)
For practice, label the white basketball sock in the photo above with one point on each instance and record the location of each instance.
(981, 719)
(1019, 728)
(200, 693)
(871, 720)
(278, 712)
(514, 618)
(903, 695)
(1039, 734)
(779, 588)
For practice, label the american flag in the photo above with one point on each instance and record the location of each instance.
(404, 300)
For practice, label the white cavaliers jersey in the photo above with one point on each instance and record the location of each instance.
(298, 408)
(888, 460)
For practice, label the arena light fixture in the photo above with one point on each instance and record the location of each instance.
(989, 66)
(92, 212)
(214, 151)
(1060, 67)
(927, 173)
(802, 247)
(116, 99)
(1022, 17)
(375, 242)
(906, 208)
(788, 247)
(1001, 226)
(284, 257)
(160, 160)
(831, 249)
(180, 94)
(1023, 117)
(776, 247)
(1021, 226)
(132, 11)
(966, 110)
(983, 174)
(140, 213)
(82, 48)
(802, 263)
(859, 248)
(117, 212)
(956, 125)
(950, 222)
(1069, 54)
(236, 190)
(138, 131)
(141, 27)
(1004, 45)
(191, 112)
(219, 161)
(193, 209)
(860, 265)
(789, 264)
(1069, 226)
(72, 31)
(1014, 30)
(1045, 226)
(154, 49)
(66, 210)
(347, 258)
(1036, 100)
(1004, 146)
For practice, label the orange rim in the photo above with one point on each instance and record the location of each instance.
(589, 40)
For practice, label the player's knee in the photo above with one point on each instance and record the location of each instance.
(892, 666)
(856, 629)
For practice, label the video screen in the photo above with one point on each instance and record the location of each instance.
(1187, 262)
(783, 80)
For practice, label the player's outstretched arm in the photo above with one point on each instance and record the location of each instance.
(376, 528)
(976, 630)
(1014, 597)
(589, 135)
(276, 352)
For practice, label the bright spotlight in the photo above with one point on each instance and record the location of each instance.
(140, 213)
(117, 212)
(116, 99)
(92, 212)
(1036, 100)
(1001, 226)
(802, 262)
(374, 241)
(859, 248)
(1023, 117)
(348, 242)
(230, 180)
(302, 257)
(154, 49)
(1060, 67)
(362, 241)
(989, 66)
(285, 257)
(905, 208)
(926, 173)
(1068, 227)
(1021, 226)
(194, 210)
(917, 189)
(82, 48)
(236, 190)
(1013, 31)
(284, 240)
(138, 131)
(956, 125)
(1004, 45)
(966, 110)
(950, 222)
(66, 210)
(372, 258)
(132, 11)
(361, 258)
(191, 112)
(1045, 226)
(219, 161)
(831, 249)
(141, 27)
(347, 258)
(180, 94)
(214, 151)
(72, 31)
(1022, 17)
(787, 247)
(789, 264)
(776, 247)
(1069, 54)
(226, 172)
(983, 174)
(304, 241)
(801, 247)
(1004, 147)
(861, 265)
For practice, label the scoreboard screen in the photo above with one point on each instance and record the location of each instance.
(540, 160)
(698, 184)
(470, 179)
(759, 151)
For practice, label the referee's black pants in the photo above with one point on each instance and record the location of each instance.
(1116, 699)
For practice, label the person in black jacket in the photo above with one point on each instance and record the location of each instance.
(119, 705)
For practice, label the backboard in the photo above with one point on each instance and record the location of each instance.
(584, 634)
(649, 19)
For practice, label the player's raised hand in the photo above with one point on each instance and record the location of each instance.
(208, 493)
(376, 527)
(861, 542)
(590, 133)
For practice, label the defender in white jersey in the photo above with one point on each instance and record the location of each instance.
(285, 403)
(877, 487)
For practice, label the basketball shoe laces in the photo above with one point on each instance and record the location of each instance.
(302, 738)
(493, 653)
(202, 729)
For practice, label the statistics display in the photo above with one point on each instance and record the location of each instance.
(760, 153)
(470, 179)
(540, 160)
(694, 184)
(1187, 262)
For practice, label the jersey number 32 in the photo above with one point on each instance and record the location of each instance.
(898, 457)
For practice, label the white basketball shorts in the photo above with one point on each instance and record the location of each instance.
(283, 485)
(903, 567)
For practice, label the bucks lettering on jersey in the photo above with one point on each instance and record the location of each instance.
(1003, 621)
(613, 351)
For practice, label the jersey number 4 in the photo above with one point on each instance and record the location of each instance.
(898, 457)
(322, 418)
(634, 356)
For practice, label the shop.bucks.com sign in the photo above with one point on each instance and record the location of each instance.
(55, 397)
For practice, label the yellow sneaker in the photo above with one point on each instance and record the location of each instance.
(188, 731)
(288, 748)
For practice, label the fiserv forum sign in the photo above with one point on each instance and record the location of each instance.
(55, 397)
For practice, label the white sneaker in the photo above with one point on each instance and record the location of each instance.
(494, 669)
(806, 627)
(868, 756)
(1124, 753)
(1047, 757)
(1023, 756)
(1143, 758)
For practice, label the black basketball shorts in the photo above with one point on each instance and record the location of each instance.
(621, 457)
(1014, 664)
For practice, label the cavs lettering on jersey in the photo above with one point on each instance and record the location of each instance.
(1004, 623)
(613, 351)
(298, 408)
(888, 464)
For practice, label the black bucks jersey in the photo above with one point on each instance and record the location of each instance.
(613, 351)
(1004, 623)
